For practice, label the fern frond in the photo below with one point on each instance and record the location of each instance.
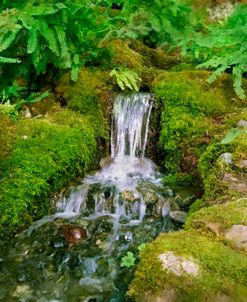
(9, 60)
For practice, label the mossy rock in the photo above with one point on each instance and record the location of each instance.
(157, 58)
(209, 271)
(46, 153)
(190, 109)
(219, 218)
(223, 181)
(123, 54)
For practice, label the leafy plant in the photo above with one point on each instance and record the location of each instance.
(126, 78)
(232, 134)
(157, 22)
(64, 35)
(12, 109)
(128, 260)
(222, 48)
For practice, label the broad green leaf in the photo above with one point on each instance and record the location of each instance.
(232, 134)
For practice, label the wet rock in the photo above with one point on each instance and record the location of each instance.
(73, 234)
(178, 265)
(106, 161)
(101, 225)
(236, 183)
(242, 124)
(166, 208)
(178, 216)
(100, 199)
(238, 236)
(128, 196)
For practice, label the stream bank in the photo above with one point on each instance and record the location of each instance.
(189, 120)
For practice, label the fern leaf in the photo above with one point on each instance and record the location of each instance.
(64, 51)
(237, 82)
(40, 10)
(32, 42)
(8, 38)
(9, 60)
(49, 36)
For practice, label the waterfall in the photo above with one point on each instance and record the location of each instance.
(128, 166)
(75, 254)
(130, 125)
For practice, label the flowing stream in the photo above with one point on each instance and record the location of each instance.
(76, 254)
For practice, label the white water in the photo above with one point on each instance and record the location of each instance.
(128, 167)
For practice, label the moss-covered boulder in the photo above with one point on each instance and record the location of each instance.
(45, 154)
(187, 266)
(228, 222)
(223, 171)
(193, 115)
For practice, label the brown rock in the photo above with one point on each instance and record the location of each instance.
(73, 234)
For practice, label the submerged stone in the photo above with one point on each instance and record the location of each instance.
(73, 234)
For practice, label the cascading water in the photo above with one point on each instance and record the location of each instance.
(75, 255)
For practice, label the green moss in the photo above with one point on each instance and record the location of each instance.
(7, 134)
(88, 95)
(123, 55)
(46, 154)
(222, 270)
(240, 151)
(197, 205)
(225, 215)
(189, 110)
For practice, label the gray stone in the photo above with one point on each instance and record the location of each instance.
(179, 265)
(236, 183)
(242, 124)
(238, 236)
(221, 11)
(178, 216)
(226, 158)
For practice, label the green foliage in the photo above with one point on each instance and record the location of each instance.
(222, 48)
(232, 134)
(38, 34)
(12, 110)
(157, 22)
(126, 78)
(128, 260)
(45, 155)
